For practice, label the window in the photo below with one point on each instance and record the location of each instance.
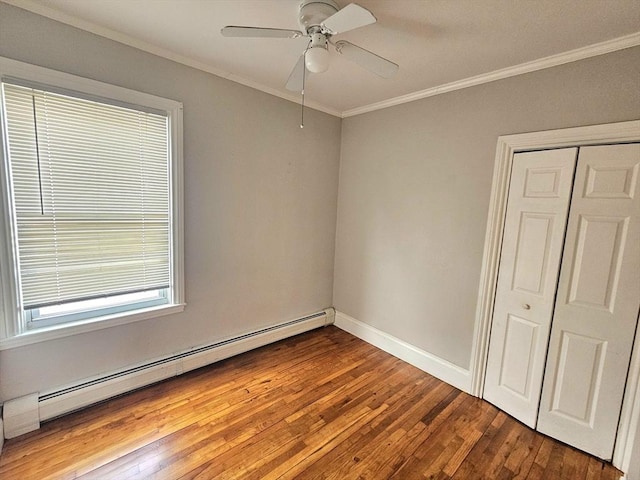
(91, 197)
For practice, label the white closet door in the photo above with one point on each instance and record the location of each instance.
(597, 303)
(535, 223)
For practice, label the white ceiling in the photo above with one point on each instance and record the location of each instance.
(435, 42)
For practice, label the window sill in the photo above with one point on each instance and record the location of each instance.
(90, 325)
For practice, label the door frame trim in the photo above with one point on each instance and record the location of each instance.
(508, 145)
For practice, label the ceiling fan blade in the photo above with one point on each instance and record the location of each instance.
(296, 77)
(253, 32)
(350, 17)
(366, 59)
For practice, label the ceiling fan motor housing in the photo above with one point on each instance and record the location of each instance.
(314, 12)
(319, 21)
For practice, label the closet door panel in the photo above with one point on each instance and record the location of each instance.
(538, 201)
(597, 302)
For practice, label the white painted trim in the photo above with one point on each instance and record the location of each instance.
(20, 415)
(67, 81)
(46, 11)
(432, 364)
(630, 415)
(53, 405)
(90, 325)
(176, 186)
(506, 147)
(594, 50)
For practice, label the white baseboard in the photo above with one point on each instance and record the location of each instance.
(432, 364)
(73, 397)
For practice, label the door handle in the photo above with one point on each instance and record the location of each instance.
(526, 306)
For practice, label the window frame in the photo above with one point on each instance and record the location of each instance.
(35, 319)
(14, 328)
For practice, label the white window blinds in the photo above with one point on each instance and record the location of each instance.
(91, 196)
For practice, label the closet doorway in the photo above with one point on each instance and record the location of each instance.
(557, 358)
(568, 293)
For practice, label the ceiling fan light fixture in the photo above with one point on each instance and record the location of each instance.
(317, 59)
(319, 21)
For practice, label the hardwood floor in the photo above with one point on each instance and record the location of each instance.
(322, 405)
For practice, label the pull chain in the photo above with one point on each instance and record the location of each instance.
(304, 71)
(304, 80)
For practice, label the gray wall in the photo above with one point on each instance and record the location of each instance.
(260, 207)
(415, 182)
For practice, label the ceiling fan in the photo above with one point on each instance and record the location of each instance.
(320, 20)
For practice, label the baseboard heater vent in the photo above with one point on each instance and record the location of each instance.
(61, 401)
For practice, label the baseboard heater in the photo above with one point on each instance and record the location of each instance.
(80, 395)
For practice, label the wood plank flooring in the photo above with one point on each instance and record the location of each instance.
(322, 405)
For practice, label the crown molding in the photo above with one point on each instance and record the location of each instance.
(620, 43)
(42, 9)
(582, 53)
